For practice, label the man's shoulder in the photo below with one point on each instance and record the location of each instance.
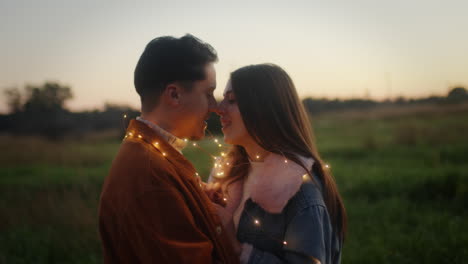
(137, 154)
(135, 169)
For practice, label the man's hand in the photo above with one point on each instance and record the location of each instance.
(228, 223)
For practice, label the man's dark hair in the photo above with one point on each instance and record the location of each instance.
(168, 59)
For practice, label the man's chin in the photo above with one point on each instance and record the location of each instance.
(196, 138)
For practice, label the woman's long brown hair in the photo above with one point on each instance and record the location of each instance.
(276, 119)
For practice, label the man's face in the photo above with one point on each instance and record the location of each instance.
(197, 105)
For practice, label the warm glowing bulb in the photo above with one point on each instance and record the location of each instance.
(196, 173)
(139, 136)
(285, 161)
(285, 243)
(257, 222)
(227, 163)
(164, 154)
(225, 199)
(257, 156)
(216, 140)
(156, 143)
(130, 133)
(327, 166)
(186, 140)
(223, 154)
(220, 145)
(194, 144)
(125, 116)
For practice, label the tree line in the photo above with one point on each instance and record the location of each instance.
(457, 94)
(41, 110)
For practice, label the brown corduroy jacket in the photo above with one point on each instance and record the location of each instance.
(152, 209)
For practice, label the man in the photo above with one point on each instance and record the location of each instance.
(152, 207)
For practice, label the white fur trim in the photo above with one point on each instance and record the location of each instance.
(245, 253)
(278, 182)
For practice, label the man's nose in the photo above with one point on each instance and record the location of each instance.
(213, 106)
(218, 108)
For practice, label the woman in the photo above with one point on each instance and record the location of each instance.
(282, 203)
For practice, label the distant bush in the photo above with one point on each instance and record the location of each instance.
(457, 94)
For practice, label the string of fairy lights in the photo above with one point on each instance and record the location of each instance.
(218, 163)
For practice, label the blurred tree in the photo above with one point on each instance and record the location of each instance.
(50, 96)
(400, 100)
(39, 110)
(457, 93)
(13, 98)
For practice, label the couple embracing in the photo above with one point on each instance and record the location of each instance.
(273, 202)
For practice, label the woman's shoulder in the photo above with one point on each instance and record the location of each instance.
(309, 195)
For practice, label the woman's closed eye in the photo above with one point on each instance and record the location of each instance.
(230, 98)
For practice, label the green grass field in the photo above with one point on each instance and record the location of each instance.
(403, 174)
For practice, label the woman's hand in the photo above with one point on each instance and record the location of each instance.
(213, 191)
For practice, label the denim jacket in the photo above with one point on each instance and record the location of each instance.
(284, 218)
(301, 231)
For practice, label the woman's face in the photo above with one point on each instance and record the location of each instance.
(233, 126)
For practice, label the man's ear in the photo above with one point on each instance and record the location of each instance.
(172, 94)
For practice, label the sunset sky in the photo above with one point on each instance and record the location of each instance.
(339, 49)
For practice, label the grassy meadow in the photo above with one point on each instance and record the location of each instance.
(403, 174)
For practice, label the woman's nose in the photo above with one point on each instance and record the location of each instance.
(220, 108)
